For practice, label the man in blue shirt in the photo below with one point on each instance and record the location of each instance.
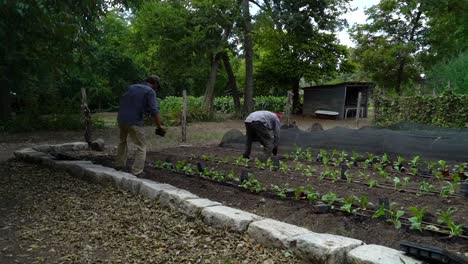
(138, 100)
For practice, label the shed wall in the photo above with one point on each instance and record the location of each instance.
(327, 98)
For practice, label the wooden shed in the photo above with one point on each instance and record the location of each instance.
(341, 98)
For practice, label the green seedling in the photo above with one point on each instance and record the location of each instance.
(231, 176)
(180, 165)
(329, 198)
(380, 212)
(298, 192)
(425, 188)
(308, 171)
(325, 161)
(284, 166)
(372, 183)
(446, 218)
(311, 195)
(159, 164)
(299, 166)
(395, 217)
(383, 174)
(253, 185)
(439, 175)
(348, 204)
(349, 177)
(363, 203)
(225, 160)
(405, 181)
(416, 220)
(442, 165)
(398, 164)
(378, 166)
(188, 169)
(448, 189)
(414, 162)
(334, 175)
(281, 192)
(308, 155)
(384, 160)
(259, 164)
(396, 182)
(414, 170)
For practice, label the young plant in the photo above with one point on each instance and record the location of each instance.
(378, 166)
(342, 157)
(281, 192)
(349, 177)
(259, 164)
(231, 176)
(395, 217)
(225, 160)
(396, 182)
(308, 171)
(311, 195)
(298, 192)
(334, 175)
(308, 155)
(442, 165)
(380, 212)
(180, 165)
(398, 164)
(414, 170)
(372, 183)
(188, 169)
(425, 188)
(159, 164)
(384, 175)
(298, 154)
(299, 166)
(363, 203)
(322, 154)
(414, 162)
(284, 167)
(253, 185)
(405, 181)
(416, 220)
(446, 218)
(355, 157)
(385, 160)
(329, 198)
(448, 189)
(348, 204)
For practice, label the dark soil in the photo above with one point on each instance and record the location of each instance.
(302, 213)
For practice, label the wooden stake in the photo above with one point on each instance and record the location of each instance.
(287, 111)
(358, 112)
(87, 117)
(184, 116)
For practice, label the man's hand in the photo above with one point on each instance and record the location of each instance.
(160, 131)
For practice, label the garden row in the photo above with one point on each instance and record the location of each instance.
(342, 195)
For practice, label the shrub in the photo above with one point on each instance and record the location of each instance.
(446, 110)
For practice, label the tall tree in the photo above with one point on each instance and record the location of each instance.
(295, 39)
(388, 46)
(249, 54)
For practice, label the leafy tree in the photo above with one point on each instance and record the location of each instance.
(387, 47)
(295, 40)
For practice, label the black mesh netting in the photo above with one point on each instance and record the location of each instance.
(405, 139)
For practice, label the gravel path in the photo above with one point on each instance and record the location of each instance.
(47, 216)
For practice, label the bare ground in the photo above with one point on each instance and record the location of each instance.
(47, 216)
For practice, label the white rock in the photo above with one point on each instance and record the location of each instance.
(375, 254)
(324, 248)
(153, 189)
(22, 153)
(70, 146)
(173, 198)
(270, 232)
(223, 216)
(193, 207)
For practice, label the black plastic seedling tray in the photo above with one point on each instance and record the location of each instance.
(431, 254)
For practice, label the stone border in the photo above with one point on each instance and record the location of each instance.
(313, 247)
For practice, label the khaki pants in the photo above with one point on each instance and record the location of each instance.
(137, 135)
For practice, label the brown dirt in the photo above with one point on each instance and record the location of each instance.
(302, 213)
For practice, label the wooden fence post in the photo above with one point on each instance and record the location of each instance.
(287, 111)
(87, 117)
(184, 116)
(358, 110)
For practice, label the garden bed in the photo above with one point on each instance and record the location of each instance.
(293, 196)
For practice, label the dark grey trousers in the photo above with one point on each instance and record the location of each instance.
(256, 131)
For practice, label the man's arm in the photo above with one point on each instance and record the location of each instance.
(154, 108)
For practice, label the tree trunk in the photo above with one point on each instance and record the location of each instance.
(248, 51)
(295, 90)
(210, 84)
(232, 83)
(5, 89)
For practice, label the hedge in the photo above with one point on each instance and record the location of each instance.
(171, 107)
(446, 110)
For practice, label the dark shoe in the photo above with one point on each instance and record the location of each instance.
(124, 169)
(141, 175)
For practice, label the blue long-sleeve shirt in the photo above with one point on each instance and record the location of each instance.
(138, 100)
